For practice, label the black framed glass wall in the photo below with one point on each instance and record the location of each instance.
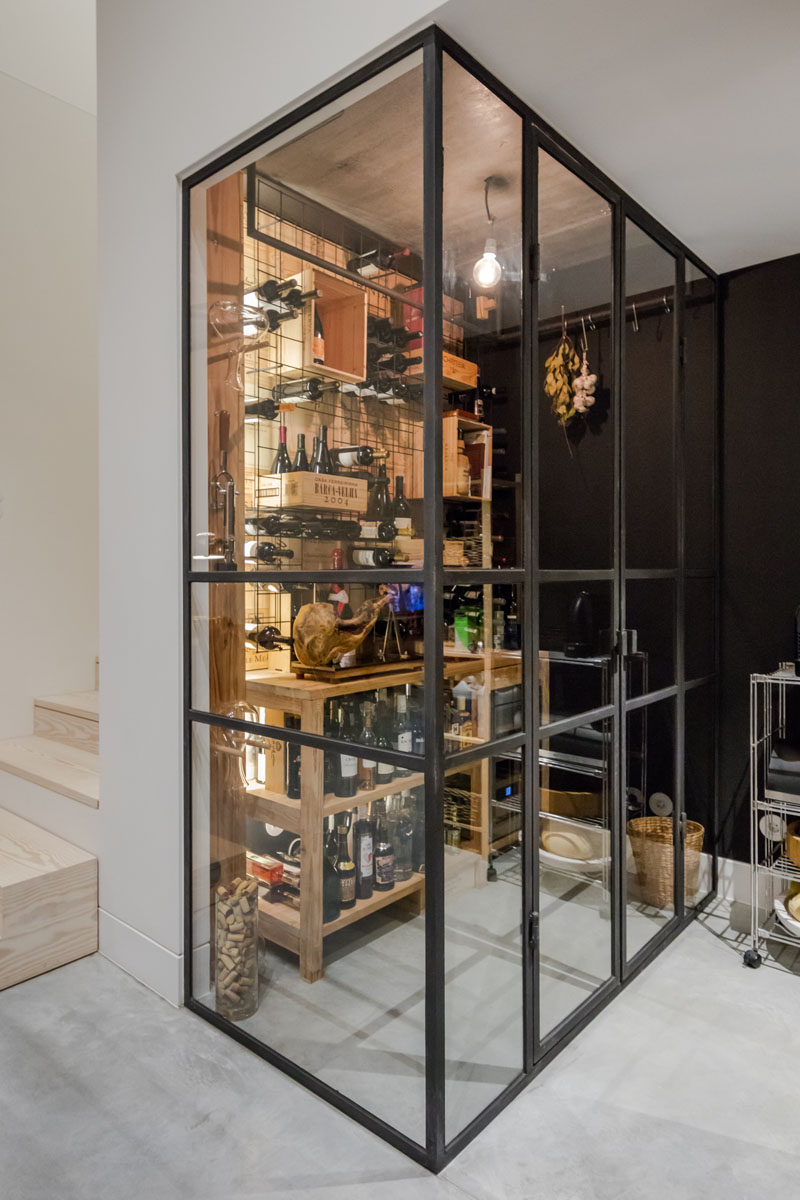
(412, 710)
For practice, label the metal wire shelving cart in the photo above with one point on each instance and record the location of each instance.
(774, 806)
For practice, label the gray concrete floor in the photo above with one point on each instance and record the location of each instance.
(685, 1087)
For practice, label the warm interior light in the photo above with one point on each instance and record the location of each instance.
(487, 269)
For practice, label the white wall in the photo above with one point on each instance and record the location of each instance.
(48, 400)
(176, 82)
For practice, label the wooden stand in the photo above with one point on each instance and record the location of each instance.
(302, 931)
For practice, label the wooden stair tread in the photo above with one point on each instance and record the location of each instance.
(77, 704)
(48, 900)
(67, 770)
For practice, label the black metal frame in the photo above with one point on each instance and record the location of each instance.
(537, 1051)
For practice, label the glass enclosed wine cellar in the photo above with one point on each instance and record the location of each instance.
(451, 593)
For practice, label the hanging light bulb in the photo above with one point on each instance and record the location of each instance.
(487, 271)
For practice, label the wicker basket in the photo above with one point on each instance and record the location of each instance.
(792, 843)
(652, 845)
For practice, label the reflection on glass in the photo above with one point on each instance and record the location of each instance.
(574, 869)
(339, 888)
(576, 437)
(482, 265)
(699, 624)
(483, 946)
(650, 621)
(483, 664)
(338, 653)
(650, 509)
(699, 383)
(650, 811)
(699, 794)
(575, 662)
(309, 418)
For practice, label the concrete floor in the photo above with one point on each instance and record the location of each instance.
(686, 1086)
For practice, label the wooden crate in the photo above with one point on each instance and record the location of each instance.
(458, 374)
(477, 438)
(304, 489)
(342, 307)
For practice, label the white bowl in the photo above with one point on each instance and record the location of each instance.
(784, 916)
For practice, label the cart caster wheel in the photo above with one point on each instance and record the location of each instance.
(752, 958)
(491, 872)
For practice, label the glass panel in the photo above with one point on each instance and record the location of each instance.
(575, 664)
(574, 868)
(482, 265)
(360, 1026)
(483, 664)
(650, 512)
(699, 381)
(651, 622)
(483, 946)
(310, 287)
(699, 794)
(700, 627)
(265, 651)
(576, 448)
(650, 807)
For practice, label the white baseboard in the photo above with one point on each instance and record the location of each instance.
(151, 963)
(734, 880)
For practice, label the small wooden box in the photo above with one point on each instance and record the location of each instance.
(477, 438)
(304, 489)
(453, 553)
(458, 374)
(342, 308)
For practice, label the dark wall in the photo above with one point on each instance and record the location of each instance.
(760, 508)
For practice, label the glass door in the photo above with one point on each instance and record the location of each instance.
(651, 656)
(578, 597)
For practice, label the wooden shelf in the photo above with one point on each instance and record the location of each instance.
(281, 922)
(276, 809)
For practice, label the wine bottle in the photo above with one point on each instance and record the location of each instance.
(354, 456)
(379, 328)
(512, 638)
(321, 461)
(368, 764)
(275, 319)
(371, 262)
(382, 741)
(331, 891)
(318, 344)
(290, 721)
(401, 509)
(301, 458)
(376, 556)
(282, 463)
(403, 837)
(275, 289)
(347, 782)
(298, 390)
(418, 835)
(345, 870)
(383, 852)
(331, 729)
(379, 502)
(269, 637)
(403, 740)
(417, 729)
(363, 840)
(332, 841)
(266, 552)
(399, 362)
(296, 299)
(268, 409)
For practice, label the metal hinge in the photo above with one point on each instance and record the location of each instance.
(533, 928)
(534, 263)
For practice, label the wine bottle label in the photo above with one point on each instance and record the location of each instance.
(404, 741)
(384, 868)
(368, 764)
(349, 460)
(347, 888)
(349, 765)
(403, 524)
(365, 857)
(385, 769)
(369, 529)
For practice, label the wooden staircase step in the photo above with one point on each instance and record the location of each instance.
(65, 769)
(71, 718)
(48, 901)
